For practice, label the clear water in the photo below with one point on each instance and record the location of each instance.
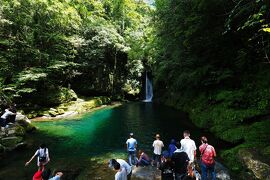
(81, 147)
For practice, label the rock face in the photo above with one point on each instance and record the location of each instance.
(12, 137)
(260, 169)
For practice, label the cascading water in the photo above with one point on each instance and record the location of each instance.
(148, 89)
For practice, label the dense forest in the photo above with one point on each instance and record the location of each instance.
(209, 58)
(49, 49)
(212, 60)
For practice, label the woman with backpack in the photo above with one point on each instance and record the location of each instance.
(208, 154)
(42, 156)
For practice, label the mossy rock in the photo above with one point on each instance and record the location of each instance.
(53, 113)
(259, 169)
(266, 151)
(60, 111)
(19, 130)
(11, 142)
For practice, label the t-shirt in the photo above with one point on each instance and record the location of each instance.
(42, 153)
(188, 145)
(180, 159)
(158, 145)
(131, 144)
(6, 114)
(172, 148)
(121, 175)
(57, 177)
(124, 164)
(208, 153)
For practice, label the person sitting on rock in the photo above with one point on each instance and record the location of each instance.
(144, 159)
(42, 156)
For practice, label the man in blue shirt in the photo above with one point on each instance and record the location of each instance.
(131, 148)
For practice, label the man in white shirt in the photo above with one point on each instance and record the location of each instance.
(5, 116)
(188, 146)
(121, 173)
(158, 145)
(123, 164)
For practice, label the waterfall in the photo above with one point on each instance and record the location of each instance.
(148, 89)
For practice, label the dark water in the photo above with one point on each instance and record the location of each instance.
(81, 147)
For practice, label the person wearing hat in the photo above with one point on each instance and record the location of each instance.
(158, 145)
(131, 148)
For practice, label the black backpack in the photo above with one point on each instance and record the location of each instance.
(44, 157)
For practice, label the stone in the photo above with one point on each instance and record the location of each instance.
(22, 119)
(11, 143)
(260, 169)
(52, 113)
(18, 131)
(146, 173)
(222, 173)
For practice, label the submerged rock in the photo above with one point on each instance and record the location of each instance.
(260, 169)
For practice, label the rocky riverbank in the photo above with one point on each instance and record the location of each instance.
(13, 137)
(69, 109)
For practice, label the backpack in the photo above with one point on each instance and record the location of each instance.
(44, 157)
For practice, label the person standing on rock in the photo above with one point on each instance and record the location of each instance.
(188, 145)
(181, 161)
(158, 145)
(131, 148)
(208, 154)
(42, 156)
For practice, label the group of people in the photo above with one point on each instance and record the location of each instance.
(175, 163)
(43, 159)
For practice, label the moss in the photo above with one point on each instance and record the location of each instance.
(266, 151)
(19, 131)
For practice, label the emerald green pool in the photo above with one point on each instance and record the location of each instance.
(81, 147)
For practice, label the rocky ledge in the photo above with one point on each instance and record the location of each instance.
(69, 109)
(250, 160)
(12, 137)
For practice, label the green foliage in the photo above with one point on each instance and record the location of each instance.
(212, 60)
(48, 45)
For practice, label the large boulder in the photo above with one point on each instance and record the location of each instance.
(260, 169)
(23, 121)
